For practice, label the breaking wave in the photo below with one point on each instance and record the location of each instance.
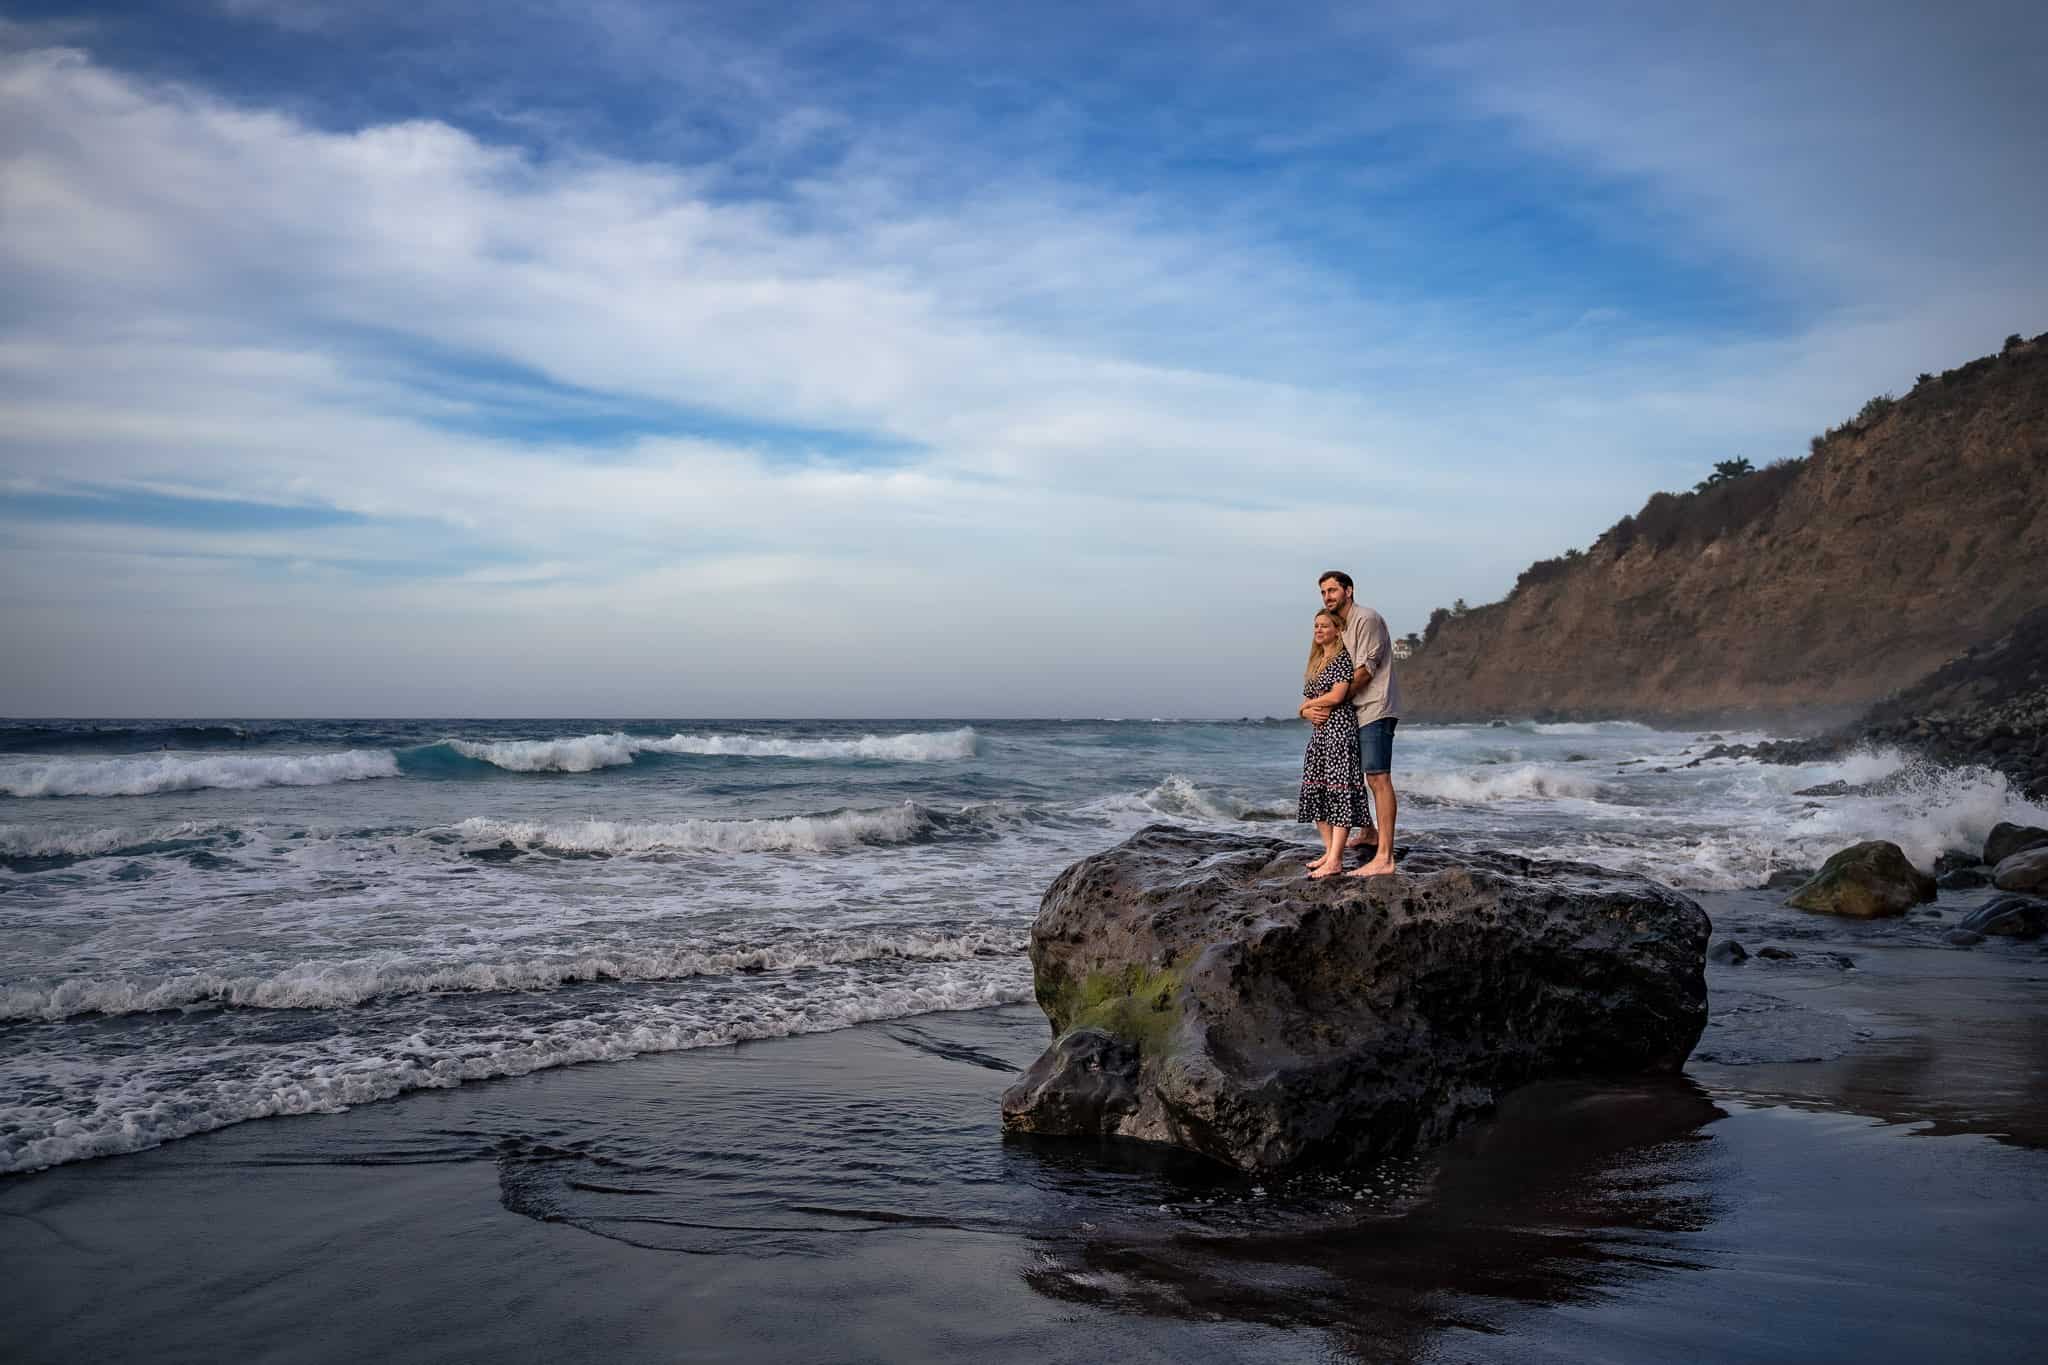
(587, 753)
(135, 1116)
(790, 834)
(1529, 782)
(177, 773)
(330, 985)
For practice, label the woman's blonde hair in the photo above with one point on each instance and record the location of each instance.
(1319, 656)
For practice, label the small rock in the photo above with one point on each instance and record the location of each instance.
(1953, 859)
(2007, 839)
(1729, 951)
(1867, 880)
(2022, 871)
(1963, 879)
(1835, 788)
(1964, 938)
(1788, 879)
(1776, 954)
(2009, 917)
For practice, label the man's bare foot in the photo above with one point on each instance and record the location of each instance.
(1364, 838)
(1378, 867)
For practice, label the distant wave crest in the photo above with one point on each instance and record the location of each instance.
(176, 773)
(587, 753)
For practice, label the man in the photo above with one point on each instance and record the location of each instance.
(1378, 700)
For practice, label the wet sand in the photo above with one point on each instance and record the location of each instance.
(1854, 1167)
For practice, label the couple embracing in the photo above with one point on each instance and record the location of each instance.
(1352, 702)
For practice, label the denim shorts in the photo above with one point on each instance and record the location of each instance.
(1376, 745)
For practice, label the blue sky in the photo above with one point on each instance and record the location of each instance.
(916, 359)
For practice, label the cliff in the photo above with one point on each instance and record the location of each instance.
(1810, 588)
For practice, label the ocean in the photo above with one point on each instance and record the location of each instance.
(208, 922)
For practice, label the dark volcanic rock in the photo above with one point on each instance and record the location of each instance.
(2007, 839)
(2011, 916)
(2023, 871)
(1865, 880)
(1836, 788)
(1965, 938)
(1729, 951)
(1266, 1019)
(1963, 879)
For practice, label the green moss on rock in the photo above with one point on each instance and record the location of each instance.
(1866, 881)
(1138, 1004)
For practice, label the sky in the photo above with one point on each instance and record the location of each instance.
(622, 358)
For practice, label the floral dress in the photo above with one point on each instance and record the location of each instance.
(1332, 779)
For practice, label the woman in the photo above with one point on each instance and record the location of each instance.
(1332, 782)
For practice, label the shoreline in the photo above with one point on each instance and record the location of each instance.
(848, 1195)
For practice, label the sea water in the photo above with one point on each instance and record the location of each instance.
(207, 922)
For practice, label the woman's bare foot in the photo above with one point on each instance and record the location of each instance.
(1322, 870)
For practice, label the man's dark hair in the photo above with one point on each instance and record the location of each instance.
(1343, 579)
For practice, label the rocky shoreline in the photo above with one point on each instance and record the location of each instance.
(1987, 707)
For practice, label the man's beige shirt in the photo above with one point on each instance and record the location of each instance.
(1365, 635)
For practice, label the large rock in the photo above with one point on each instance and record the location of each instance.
(1204, 992)
(2023, 871)
(2007, 839)
(1866, 880)
(2013, 916)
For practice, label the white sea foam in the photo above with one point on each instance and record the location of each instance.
(936, 746)
(1528, 782)
(176, 772)
(1925, 810)
(1176, 798)
(1617, 728)
(587, 753)
(329, 985)
(144, 1109)
(791, 834)
(39, 841)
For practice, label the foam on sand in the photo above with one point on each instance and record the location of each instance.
(154, 1102)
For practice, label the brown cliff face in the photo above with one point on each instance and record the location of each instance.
(1811, 588)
